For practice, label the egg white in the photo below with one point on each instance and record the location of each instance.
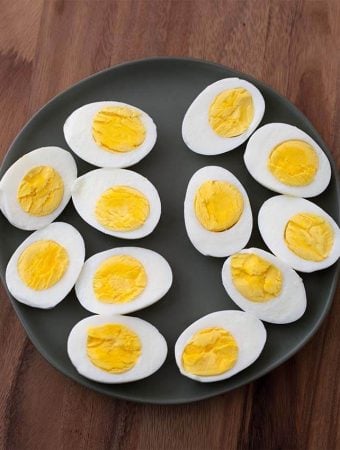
(272, 220)
(65, 235)
(154, 349)
(55, 157)
(88, 188)
(259, 148)
(159, 280)
(248, 331)
(196, 130)
(222, 243)
(78, 135)
(287, 307)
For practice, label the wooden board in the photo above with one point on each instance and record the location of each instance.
(291, 45)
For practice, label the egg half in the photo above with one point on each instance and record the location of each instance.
(37, 187)
(299, 232)
(118, 202)
(222, 116)
(219, 345)
(110, 134)
(259, 283)
(116, 349)
(217, 212)
(45, 267)
(287, 160)
(123, 280)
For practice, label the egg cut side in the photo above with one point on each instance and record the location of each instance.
(116, 349)
(222, 116)
(263, 285)
(110, 134)
(45, 267)
(219, 345)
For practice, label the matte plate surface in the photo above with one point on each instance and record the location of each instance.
(164, 88)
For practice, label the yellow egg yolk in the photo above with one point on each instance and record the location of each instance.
(218, 205)
(231, 112)
(309, 236)
(118, 129)
(294, 163)
(40, 191)
(119, 279)
(210, 351)
(42, 264)
(122, 208)
(255, 278)
(113, 347)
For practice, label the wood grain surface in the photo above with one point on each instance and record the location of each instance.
(45, 46)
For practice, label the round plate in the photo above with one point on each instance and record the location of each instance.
(164, 88)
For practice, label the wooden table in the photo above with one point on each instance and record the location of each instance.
(291, 45)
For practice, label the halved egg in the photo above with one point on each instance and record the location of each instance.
(116, 349)
(287, 160)
(110, 134)
(259, 283)
(37, 187)
(117, 202)
(217, 212)
(45, 267)
(219, 345)
(222, 116)
(123, 280)
(299, 232)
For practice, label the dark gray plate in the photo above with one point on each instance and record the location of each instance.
(164, 88)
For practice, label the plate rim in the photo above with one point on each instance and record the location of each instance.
(97, 387)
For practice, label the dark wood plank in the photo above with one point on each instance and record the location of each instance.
(292, 45)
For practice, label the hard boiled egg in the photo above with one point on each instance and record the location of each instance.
(45, 267)
(37, 187)
(223, 116)
(259, 283)
(110, 134)
(285, 159)
(217, 212)
(117, 202)
(116, 349)
(219, 345)
(123, 280)
(299, 232)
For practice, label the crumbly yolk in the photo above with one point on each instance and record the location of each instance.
(113, 347)
(210, 351)
(119, 279)
(309, 236)
(118, 129)
(294, 163)
(40, 191)
(255, 278)
(42, 264)
(231, 112)
(122, 208)
(218, 205)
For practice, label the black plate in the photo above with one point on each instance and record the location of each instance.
(164, 88)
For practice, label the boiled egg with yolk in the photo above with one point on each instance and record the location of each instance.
(263, 285)
(219, 345)
(116, 349)
(222, 116)
(299, 232)
(45, 267)
(287, 160)
(118, 202)
(123, 280)
(217, 212)
(37, 187)
(110, 134)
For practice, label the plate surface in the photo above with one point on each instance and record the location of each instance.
(164, 88)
